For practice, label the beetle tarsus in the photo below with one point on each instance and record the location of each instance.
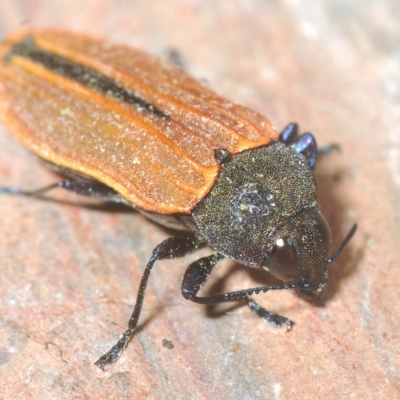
(31, 193)
(270, 317)
(116, 351)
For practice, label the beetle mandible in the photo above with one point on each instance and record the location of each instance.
(126, 127)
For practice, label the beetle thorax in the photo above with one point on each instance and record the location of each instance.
(256, 192)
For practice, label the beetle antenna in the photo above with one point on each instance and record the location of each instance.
(344, 243)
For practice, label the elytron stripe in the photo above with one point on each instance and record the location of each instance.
(86, 76)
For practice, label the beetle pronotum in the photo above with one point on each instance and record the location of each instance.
(126, 127)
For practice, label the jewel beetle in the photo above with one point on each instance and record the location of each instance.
(124, 126)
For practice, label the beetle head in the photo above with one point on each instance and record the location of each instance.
(300, 250)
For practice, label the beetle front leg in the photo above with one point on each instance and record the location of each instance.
(268, 316)
(196, 275)
(198, 272)
(173, 247)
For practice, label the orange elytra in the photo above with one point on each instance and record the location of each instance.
(141, 126)
(127, 127)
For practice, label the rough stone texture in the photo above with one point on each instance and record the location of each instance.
(69, 274)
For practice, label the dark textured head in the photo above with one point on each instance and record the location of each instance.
(300, 252)
(263, 211)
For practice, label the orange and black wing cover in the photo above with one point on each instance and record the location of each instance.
(123, 117)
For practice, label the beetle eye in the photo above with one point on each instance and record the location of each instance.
(283, 260)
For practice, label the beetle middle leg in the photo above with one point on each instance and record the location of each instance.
(90, 188)
(75, 182)
(198, 272)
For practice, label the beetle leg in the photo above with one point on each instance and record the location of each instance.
(305, 144)
(196, 275)
(176, 58)
(326, 149)
(173, 247)
(270, 317)
(289, 133)
(90, 188)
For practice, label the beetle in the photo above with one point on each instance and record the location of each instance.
(126, 127)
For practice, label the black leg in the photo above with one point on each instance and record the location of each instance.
(175, 57)
(270, 317)
(289, 133)
(174, 247)
(196, 275)
(326, 149)
(304, 144)
(90, 188)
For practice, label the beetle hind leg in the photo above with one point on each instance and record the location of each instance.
(75, 182)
